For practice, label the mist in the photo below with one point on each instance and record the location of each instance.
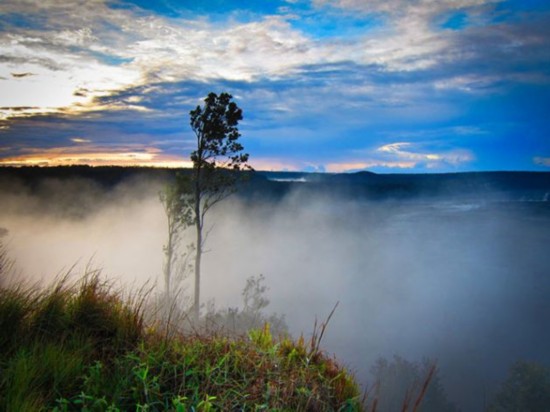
(464, 282)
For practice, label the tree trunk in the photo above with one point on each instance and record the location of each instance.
(198, 255)
(168, 248)
(198, 250)
(168, 266)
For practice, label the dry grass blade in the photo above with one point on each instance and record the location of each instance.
(427, 381)
(317, 335)
(366, 394)
(407, 400)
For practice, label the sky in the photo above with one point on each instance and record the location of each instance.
(390, 86)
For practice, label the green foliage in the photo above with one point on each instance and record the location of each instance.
(39, 372)
(83, 348)
(527, 388)
(262, 337)
(216, 127)
(96, 311)
(14, 306)
(51, 335)
(215, 374)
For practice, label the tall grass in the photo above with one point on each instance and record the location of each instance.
(81, 346)
(47, 337)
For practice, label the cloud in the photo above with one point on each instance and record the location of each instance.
(74, 67)
(80, 140)
(134, 155)
(19, 75)
(406, 152)
(403, 7)
(486, 51)
(55, 43)
(346, 167)
(403, 156)
(54, 85)
(202, 51)
(128, 73)
(81, 53)
(542, 161)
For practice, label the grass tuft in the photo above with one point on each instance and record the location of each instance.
(82, 346)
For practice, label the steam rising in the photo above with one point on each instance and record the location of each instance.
(465, 283)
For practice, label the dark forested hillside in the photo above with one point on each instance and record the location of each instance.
(528, 186)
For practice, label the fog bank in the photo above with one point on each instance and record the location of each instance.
(463, 282)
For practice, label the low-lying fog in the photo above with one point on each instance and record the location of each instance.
(464, 283)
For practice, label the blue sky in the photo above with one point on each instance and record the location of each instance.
(392, 86)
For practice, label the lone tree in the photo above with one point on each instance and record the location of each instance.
(216, 162)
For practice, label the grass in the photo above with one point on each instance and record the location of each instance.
(83, 347)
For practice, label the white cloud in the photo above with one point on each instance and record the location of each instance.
(58, 55)
(470, 83)
(403, 7)
(51, 89)
(401, 155)
(542, 161)
(409, 40)
(201, 50)
(78, 37)
(67, 60)
(80, 140)
(88, 50)
(408, 153)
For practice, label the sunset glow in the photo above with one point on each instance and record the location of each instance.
(64, 157)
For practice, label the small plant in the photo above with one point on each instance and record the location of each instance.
(178, 403)
(237, 322)
(262, 337)
(206, 405)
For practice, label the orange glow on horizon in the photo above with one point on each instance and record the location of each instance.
(137, 156)
(146, 157)
(154, 158)
(354, 166)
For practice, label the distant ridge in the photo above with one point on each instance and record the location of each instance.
(495, 185)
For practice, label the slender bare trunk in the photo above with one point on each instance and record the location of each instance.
(168, 263)
(169, 247)
(198, 255)
(198, 250)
